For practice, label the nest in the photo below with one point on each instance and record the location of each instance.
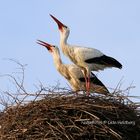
(71, 117)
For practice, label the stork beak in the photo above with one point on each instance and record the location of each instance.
(46, 45)
(60, 24)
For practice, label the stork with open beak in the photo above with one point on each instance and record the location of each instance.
(73, 73)
(88, 59)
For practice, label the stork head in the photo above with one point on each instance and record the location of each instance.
(51, 48)
(62, 28)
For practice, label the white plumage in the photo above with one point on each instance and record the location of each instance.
(73, 73)
(88, 59)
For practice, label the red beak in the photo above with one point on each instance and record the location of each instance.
(60, 24)
(46, 45)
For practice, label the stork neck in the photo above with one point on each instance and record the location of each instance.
(64, 45)
(57, 61)
(60, 66)
(63, 38)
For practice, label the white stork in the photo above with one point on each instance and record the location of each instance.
(88, 59)
(73, 73)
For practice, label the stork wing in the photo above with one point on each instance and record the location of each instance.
(105, 60)
(94, 80)
(91, 55)
(83, 53)
(75, 71)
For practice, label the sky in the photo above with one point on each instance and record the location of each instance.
(112, 26)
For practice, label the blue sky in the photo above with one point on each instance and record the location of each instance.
(112, 26)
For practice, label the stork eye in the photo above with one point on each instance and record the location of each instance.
(54, 46)
(65, 26)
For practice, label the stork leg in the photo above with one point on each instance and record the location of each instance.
(88, 84)
(86, 81)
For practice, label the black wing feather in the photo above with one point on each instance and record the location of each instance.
(105, 60)
(93, 79)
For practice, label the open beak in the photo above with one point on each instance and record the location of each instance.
(46, 45)
(60, 24)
